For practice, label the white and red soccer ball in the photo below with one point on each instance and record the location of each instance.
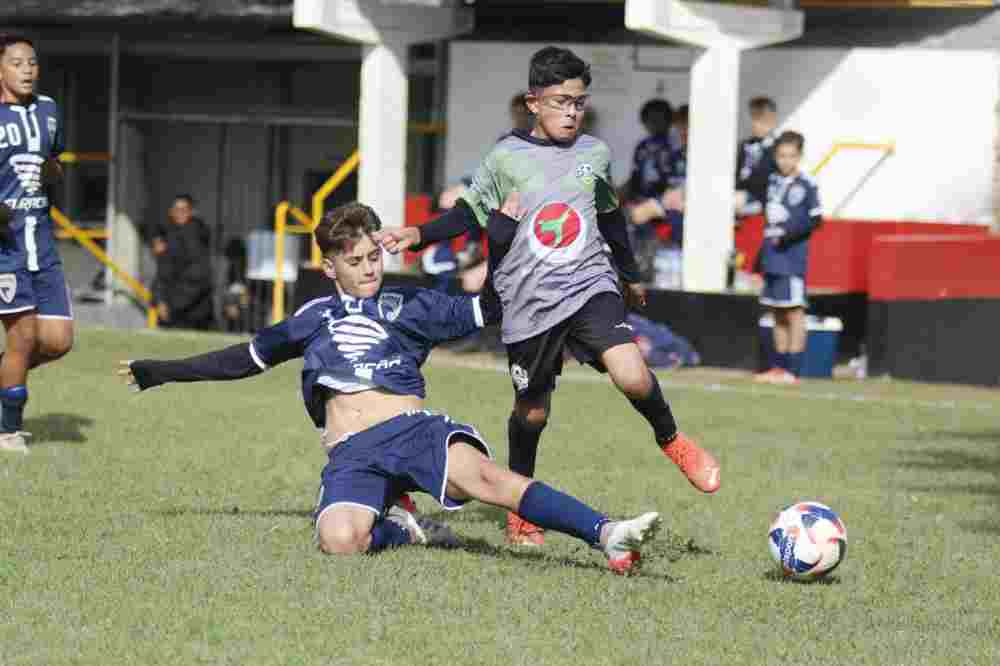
(807, 540)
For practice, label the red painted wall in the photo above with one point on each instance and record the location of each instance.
(928, 267)
(840, 250)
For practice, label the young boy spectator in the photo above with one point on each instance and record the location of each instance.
(755, 160)
(792, 213)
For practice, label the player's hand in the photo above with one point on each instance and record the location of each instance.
(125, 372)
(162, 312)
(397, 240)
(512, 206)
(635, 295)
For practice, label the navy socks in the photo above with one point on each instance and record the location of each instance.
(13, 400)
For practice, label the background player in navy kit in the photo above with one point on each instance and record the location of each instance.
(361, 382)
(793, 213)
(755, 157)
(34, 299)
(558, 285)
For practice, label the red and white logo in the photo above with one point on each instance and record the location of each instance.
(557, 225)
(558, 233)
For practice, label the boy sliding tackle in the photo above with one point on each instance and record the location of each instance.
(361, 382)
(558, 286)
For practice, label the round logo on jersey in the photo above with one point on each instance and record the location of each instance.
(557, 233)
(557, 225)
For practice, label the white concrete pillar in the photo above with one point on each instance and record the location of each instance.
(723, 31)
(708, 227)
(386, 29)
(382, 133)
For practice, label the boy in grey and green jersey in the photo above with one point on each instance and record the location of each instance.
(557, 250)
(556, 261)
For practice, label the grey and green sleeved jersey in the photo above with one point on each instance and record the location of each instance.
(558, 259)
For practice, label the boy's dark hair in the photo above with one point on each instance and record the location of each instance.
(344, 224)
(791, 138)
(552, 65)
(656, 106)
(761, 104)
(9, 39)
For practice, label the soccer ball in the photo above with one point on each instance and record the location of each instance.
(807, 540)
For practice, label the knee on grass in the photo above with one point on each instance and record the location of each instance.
(342, 538)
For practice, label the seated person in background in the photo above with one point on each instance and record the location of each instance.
(755, 158)
(649, 180)
(793, 213)
(182, 289)
(661, 347)
(363, 348)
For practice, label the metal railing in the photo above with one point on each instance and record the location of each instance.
(887, 150)
(82, 237)
(305, 226)
(86, 237)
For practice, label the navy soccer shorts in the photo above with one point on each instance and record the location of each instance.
(783, 291)
(407, 453)
(599, 325)
(44, 291)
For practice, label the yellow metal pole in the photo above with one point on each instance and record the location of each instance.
(334, 181)
(278, 297)
(81, 237)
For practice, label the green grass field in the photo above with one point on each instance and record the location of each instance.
(174, 527)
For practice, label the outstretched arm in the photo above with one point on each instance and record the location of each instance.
(234, 362)
(271, 346)
(457, 221)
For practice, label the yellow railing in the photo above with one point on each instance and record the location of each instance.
(305, 226)
(83, 238)
(281, 227)
(886, 148)
(319, 198)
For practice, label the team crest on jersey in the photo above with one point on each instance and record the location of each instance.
(519, 376)
(585, 172)
(390, 305)
(8, 287)
(557, 234)
(53, 126)
(796, 194)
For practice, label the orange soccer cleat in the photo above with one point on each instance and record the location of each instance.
(522, 533)
(699, 466)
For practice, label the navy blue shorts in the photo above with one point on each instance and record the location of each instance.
(407, 453)
(783, 291)
(44, 291)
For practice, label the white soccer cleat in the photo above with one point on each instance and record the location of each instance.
(14, 442)
(423, 531)
(625, 539)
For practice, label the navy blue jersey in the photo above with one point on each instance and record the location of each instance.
(351, 345)
(651, 166)
(793, 212)
(678, 167)
(755, 163)
(29, 135)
